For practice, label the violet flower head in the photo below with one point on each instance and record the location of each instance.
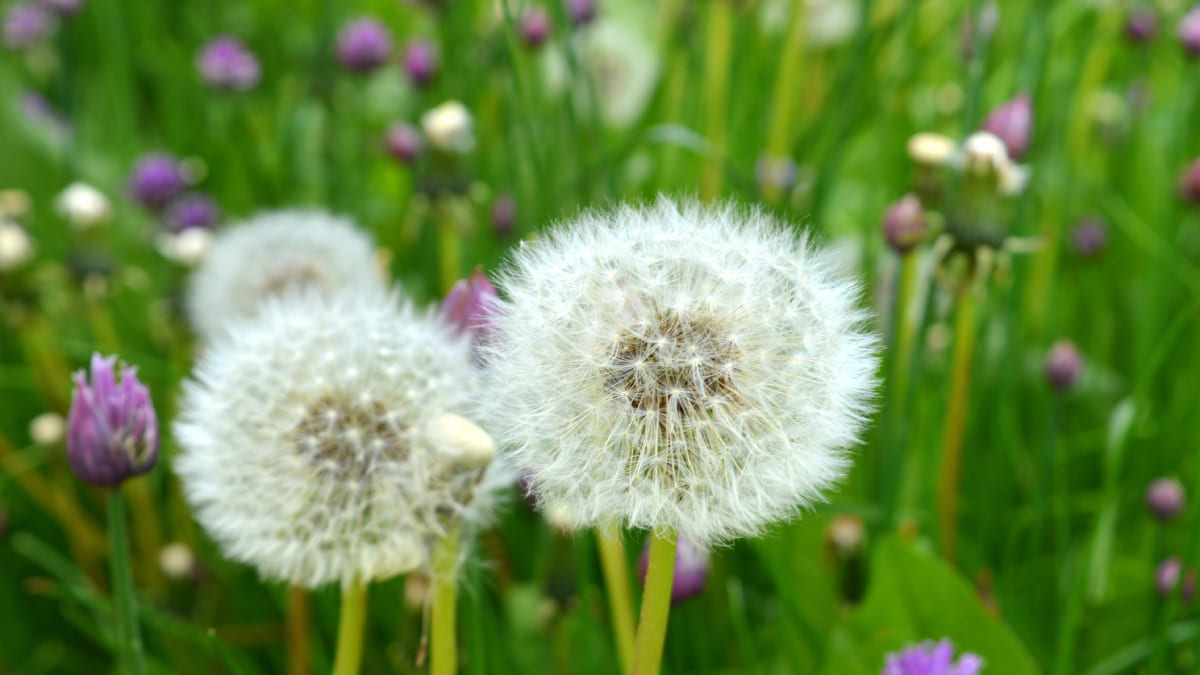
(1089, 237)
(929, 658)
(471, 307)
(420, 61)
(1189, 32)
(1141, 25)
(1012, 122)
(1063, 365)
(1166, 577)
(156, 179)
(226, 64)
(691, 569)
(535, 27)
(112, 430)
(581, 12)
(363, 45)
(504, 214)
(775, 173)
(905, 224)
(26, 24)
(63, 8)
(192, 210)
(1189, 183)
(1165, 498)
(403, 142)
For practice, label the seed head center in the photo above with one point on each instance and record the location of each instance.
(345, 438)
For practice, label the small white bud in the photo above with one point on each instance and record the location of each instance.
(461, 441)
(16, 248)
(47, 428)
(83, 205)
(931, 149)
(187, 247)
(448, 127)
(984, 153)
(14, 202)
(177, 560)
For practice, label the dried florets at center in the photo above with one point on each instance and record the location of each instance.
(674, 366)
(287, 274)
(345, 438)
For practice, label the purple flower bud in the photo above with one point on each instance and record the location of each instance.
(904, 224)
(112, 431)
(403, 142)
(363, 45)
(192, 210)
(1189, 183)
(775, 173)
(420, 62)
(156, 179)
(535, 27)
(1012, 122)
(63, 8)
(504, 214)
(1167, 576)
(1089, 237)
(26, 24)
(691, 569)
(581, 11)
(471, 306)
(1165, 498)
(225, 63)
(1063, 365)
(930, 658)
(1141, 25)
(1189, 31)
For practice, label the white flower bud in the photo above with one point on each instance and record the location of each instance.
(188, 247)
(448, 127)
(47, 428)
(16, 248)
(930, 149)
(83, 205)
(177, 560)
(461, 441)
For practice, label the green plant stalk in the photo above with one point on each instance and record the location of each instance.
(297, 620)
(620, 601)
(449, 247)
(779, 136)
(656, 604)
(956, 416)
(716, 92)
(905, 332)
(129, 639)
(443, 658)
(351, 627)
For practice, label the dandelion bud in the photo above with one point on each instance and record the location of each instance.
(504, 214)
(47, 428)
(26, 24)
(363, 45)
(1189, 32)
(156, 179)
(461, 441)
(535, 27)
(691, 569)
(929, 658)
(1012, 123)
(581, 12)
(1063, 365)
(112, 430)
(1141, 25)
(846, 534)
(83, 205)
(16, 248)
(1165, 498)
(420, 62)
(929, 149)
(403, 142)
(449, 128)
(1189, 183)
(904, 224)
(471, 307)
(177, 561)
(1089, 237)
(192, 210)
(226, 64)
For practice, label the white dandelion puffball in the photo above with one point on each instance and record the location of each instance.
(678, 366)
(273, 252)
(318, 439)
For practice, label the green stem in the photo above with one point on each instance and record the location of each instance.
(449, 245)
(956, 416)
(779, 135)
(444, 653)
(297, 620)
(716, 90)
(129, 640)
(620, 602)
(351, 627)
(656, 604)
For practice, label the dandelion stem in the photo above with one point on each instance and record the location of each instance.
(782, 117)
(716, 90)
(298, 619)
(656, 604)
(449, 246)
(620, 602)
(129, 640)
(443, 658)
(956, 416)
(351, 627)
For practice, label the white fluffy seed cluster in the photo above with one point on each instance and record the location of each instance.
(315, 439)
(679, 366)
(271, 253)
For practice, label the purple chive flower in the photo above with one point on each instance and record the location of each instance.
(156, 179)
(1189, 31)
(1165, 498)
(192, 210)
(904, 224)
(112, 431)
(929, 658)
(471, 307)
(1189, 183)
(1063, 365)
(420, 61)
(1012, 122)
(363, 45)
(63, 8)
(777, 174)
(581, 11)
(1167, 576)
(225, 63)
(26, 24)
(691, 569)
(504, 214)
(535, 27)
(1089, 237)
(403, 142)
(1141, 25)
